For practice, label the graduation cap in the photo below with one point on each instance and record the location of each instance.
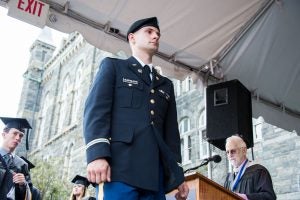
(30, 165)
(152, 21)
(18, 123)
(80, 180)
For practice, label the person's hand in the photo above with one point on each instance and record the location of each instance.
(98, 171)
(243, 196)
(19, 178)
(183, 191)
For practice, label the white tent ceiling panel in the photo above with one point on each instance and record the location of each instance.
(197, 33)
(266, 60)
(196, 30)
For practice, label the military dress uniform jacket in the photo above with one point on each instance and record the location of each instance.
(132, 122)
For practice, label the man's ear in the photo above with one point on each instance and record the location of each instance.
(131, 37)
(244, 150)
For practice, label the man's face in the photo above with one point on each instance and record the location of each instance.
(12, 139)
(235, 153)
(146, 39)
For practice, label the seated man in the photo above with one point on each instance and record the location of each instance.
(248, 180)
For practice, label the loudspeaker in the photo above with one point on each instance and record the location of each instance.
(228, 112)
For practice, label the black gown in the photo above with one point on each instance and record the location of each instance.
(256, 183)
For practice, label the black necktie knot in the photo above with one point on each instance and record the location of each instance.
(147, 69)
(147, 72)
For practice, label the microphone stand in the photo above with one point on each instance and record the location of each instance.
(204, 162)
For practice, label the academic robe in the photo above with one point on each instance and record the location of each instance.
(20, 192)
(256, 183)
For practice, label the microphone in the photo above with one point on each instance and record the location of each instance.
(215, 158)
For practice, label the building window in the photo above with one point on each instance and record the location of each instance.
(189, 147)
(184, 125)
(183, 86)
(186, 140)
(187, 84)
(63, 118)
(178, 88)
(202, 135)
(43, 119)
(257, 128)
(77, 92)
(67, 159)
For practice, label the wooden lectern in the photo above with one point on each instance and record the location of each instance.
(202, 188)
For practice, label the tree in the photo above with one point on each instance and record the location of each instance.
(46, 176)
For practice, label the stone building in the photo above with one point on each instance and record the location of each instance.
(57, 82)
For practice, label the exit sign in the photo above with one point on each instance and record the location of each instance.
(31, 11)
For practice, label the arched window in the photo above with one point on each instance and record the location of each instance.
(178, 85)
(187, 84)
(184, 125)
(66, 90)
(203, 153)
(77, 92)
(43, 118)
(67, 159)
(257, 128)
(186, 140)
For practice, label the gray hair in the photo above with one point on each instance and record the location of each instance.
(236, 139)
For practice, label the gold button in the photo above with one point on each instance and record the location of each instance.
(152, 101)
(152, 112)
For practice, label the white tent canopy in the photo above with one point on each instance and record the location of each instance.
(197, 40)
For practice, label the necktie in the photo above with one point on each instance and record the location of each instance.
(146, 73)
(234, 175)
(8, 159)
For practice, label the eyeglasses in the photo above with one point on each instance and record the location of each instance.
(233, 151)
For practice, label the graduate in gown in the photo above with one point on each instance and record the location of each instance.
(14, 173)
(249, 180)
(79, 191)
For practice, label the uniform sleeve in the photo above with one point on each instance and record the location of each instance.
(97, 113)
(172, 137)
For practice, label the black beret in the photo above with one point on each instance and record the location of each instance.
(152, 21)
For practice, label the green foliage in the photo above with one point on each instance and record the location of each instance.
(47, 177)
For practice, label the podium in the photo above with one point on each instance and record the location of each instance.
(202, 188)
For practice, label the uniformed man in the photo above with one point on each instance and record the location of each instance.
(130, 124)
(14, 170)
(79, 191)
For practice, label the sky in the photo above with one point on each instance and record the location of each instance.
(16, 38)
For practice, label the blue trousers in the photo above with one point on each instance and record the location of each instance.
(122, 191)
